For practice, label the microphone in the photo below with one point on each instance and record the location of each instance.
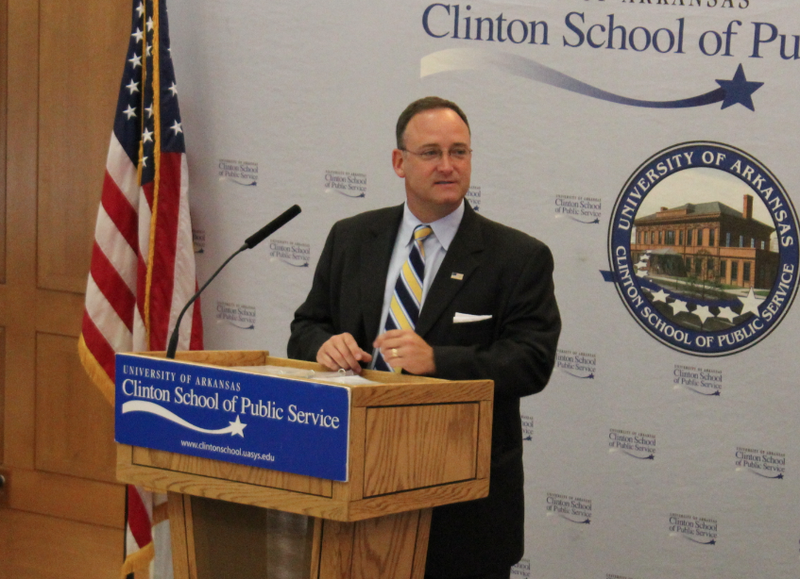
(249, 243)
(272, 227)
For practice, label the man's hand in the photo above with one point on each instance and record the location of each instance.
(405, 349)
(342, 351)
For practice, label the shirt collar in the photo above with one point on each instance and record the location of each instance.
(444, 229)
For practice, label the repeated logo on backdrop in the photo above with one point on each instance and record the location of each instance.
(764, 463)
(242, 173)
(582, 365)
(572, 509)
(346, 183)
(698, 380)
(699, 530)
(580, 208)
(639, 445)
(241, 316)
(293, 253)
(521, 570)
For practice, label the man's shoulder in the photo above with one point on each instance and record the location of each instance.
(374, 217)
(498, 233)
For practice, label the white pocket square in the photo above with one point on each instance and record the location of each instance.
(460, 318)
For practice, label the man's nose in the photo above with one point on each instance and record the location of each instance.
(445, 162)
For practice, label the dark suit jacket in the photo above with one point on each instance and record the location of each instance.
(506, 274)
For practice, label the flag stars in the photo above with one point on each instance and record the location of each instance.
(149, 111)
(173, 89)
(148, 50)
(130, 112)
(150, 24)
(147, 136)
(176, 126)
(135, 60)
(144, 160)
(138, 35)
(132, 86)
(140, 9)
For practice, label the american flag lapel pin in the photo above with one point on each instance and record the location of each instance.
(457, 276)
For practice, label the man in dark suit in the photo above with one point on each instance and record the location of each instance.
(487, 311)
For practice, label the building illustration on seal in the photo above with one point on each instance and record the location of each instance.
(706, 243)
(699, 272)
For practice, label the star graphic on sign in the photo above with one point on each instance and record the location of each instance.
(641, 272)
(147, 136)
(130, 112)
(739, 90)
(135, 60)
(176, 126)
(703, 313)
(237, 427)
(678, 306)
(173, 89)
(727, 313)
(751, 303)
(138, 35)
(140, 9)
(133, 86)
(660, 296)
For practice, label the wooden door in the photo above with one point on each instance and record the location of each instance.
(61, 511)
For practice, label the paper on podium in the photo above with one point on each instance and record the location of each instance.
(341, 376)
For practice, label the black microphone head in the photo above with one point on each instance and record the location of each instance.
(272, 226)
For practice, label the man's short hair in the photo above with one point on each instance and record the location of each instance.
(421, 105)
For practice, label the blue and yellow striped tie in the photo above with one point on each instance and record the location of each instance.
(407, 296)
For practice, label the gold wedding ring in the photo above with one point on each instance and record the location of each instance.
(394, 353)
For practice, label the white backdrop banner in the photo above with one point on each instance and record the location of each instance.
(650, 143)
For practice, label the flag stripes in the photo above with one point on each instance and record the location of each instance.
(143, 268)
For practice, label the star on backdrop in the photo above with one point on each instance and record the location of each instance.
(739, 90)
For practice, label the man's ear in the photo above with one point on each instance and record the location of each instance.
(397, 163)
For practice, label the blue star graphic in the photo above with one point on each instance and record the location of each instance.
(739, 90)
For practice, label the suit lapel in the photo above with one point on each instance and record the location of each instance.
(461, 259)
(375, 256)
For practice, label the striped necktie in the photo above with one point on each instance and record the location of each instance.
(407, 296)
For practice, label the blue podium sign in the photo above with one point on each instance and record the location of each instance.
(258, 420)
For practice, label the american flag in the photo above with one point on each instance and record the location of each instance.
(143, 269)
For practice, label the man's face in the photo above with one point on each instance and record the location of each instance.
(434, 163)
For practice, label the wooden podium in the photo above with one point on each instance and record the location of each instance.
(414, 443)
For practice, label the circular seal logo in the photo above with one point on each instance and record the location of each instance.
(703, 246)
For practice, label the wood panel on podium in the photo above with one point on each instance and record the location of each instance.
(414, 443)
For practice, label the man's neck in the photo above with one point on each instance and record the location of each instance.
(429, 215)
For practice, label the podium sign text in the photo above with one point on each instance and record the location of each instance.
(257, 420)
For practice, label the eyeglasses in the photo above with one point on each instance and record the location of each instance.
(435, 154)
